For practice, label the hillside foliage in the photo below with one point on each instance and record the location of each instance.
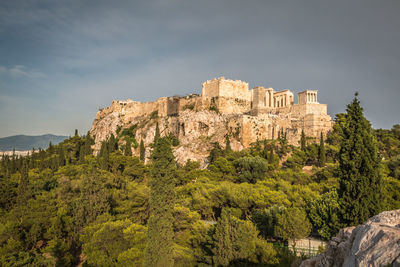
(63, 205)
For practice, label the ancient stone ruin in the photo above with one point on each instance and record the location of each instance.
(225, 107)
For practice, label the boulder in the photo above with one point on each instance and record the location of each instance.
(374, 243)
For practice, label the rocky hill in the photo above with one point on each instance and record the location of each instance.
(374, 243)
(225, 108)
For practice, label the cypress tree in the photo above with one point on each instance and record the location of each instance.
(76, 132)
(223, 239)
(271, 155)
(23, 186)
(159, 251)
(61, 156)
(321, 152)
(265, 150)
(82, 153)
(104, 155)
(227, 144)
(128, 148)
(303, 141)
(88, 145)
(157, 133)
(142, 151)
(112, 144)
(360, 183)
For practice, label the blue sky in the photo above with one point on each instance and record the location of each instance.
(62, 60)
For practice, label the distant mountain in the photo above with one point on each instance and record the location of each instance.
(27, 142)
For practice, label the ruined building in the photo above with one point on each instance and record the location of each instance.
(224, 107)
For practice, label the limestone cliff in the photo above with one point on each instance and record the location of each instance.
(374, 243)
(225, 108)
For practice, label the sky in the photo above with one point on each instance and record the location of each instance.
(60, 61)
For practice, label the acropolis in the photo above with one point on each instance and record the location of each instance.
(224, 107)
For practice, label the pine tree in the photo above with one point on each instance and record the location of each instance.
(321, 152)
(159, 251)
(157, 133)
(227, 144)
(76, 132)
(303, 141)
(128, 148)
(360, 183)
(142, 151)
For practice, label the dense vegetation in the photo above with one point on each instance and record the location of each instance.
(62, 206)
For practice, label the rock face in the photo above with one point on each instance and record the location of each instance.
(374, 243)
(225, 107)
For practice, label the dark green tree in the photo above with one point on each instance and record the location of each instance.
(61, 156)
(128, 148)
(321, 152)
(103, 156)
(112, 144)
(159, 251)
(23, 186)
(360, 183)
(303, 141)
(142, 151)
(215, 152)
(76, 132)
(265, 149)
(157, 133)
(271, 155)
(227, 144)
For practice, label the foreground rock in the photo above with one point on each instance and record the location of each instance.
(374, 243)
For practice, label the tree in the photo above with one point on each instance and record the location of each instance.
(360, 182)
(227, 144)
(23, 186)
(61, 156)
(157, 133)
(128, 148)
(223, 240)
(303, 141)
(323, 213)
(271, 155)
(321, 152)
(215, 152)
(112, 144)
(251, 169)
(236, 241)
(159, 251)
(292, 224)
(142, 151)
(76, 132)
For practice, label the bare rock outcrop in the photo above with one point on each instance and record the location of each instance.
(374, 243)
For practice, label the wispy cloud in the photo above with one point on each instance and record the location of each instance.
(18, 71)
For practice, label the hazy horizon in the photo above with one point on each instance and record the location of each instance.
(61, 61)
